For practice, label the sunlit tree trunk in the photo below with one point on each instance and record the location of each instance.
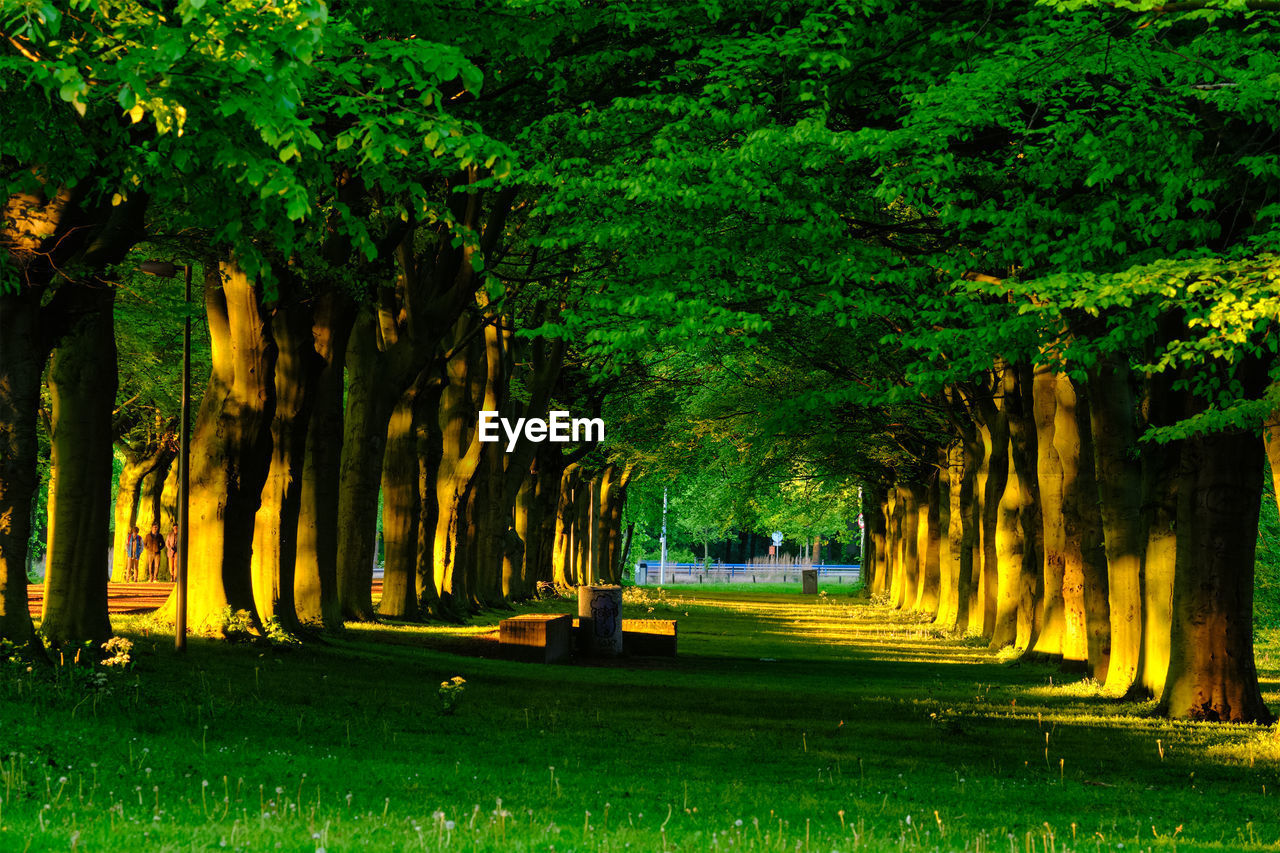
(948, 557)
(992, 476)
(459, 461)
(927, 548)
(1049, 474)
(315, 582)
(1119, 477)
(82, 385)
(275, 537)
(566, 514)
(1160, 477)
(1022, 464)
(1212, 675)
(231, 448)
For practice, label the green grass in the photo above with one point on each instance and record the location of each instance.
(786, 723)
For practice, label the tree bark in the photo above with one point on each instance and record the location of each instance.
(458, 464)
(948, 552)
(82, 384)
(364, 438)
(992, 476)
(1212, 675)
(315, 581)
(1049, 474)
(20, 368)
(928, 548)
(275, 546)
(401, 513)
(230, 449)
(1119, 477)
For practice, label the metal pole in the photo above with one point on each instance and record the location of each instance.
(862, 533)
(184, 477)
(662, 561)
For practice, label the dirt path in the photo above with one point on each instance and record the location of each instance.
(131, 597)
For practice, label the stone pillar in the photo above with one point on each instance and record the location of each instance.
(809, 581)
(600, 619)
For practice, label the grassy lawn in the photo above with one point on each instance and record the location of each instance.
(786, 723)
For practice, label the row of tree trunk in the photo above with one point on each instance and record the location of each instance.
(319, 401)
(1047, 525)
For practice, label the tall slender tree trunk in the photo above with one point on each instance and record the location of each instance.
(927, 548)
(948, 552)
(874, 521)
(1119, 477)
(401, 513)
(315, 580)
(458, 464)
(993, 474)
(565, 515)
(82, 384)
(364, 439)
(1160, 478)
(1049, 473)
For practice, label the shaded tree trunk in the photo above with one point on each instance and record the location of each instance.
(364, 438)
(275, 545)
(82, 384)
(401, 513)
(315, 582)
(1119, 478)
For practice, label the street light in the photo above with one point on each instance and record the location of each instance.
(165, 269)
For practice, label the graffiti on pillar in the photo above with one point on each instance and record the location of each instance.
(604, 615)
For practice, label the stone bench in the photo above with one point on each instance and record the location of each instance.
(539, 637)
(646, 637)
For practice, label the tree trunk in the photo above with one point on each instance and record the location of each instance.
(948, 553)
(82, 384)
(315, 580)
(1160, 479)
(364, 439)
(1211, 669)
(401, 514)
(928, 548)
(992, 475)
(231, 448)
(275, 545)
(1086, 608)
(1119, 477)
(1049, 474)
(458, 464)
(562, 557)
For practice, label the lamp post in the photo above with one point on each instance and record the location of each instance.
(662, 559)
(165, 269)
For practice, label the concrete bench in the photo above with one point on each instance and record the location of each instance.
(540, 637)
(646, 637)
